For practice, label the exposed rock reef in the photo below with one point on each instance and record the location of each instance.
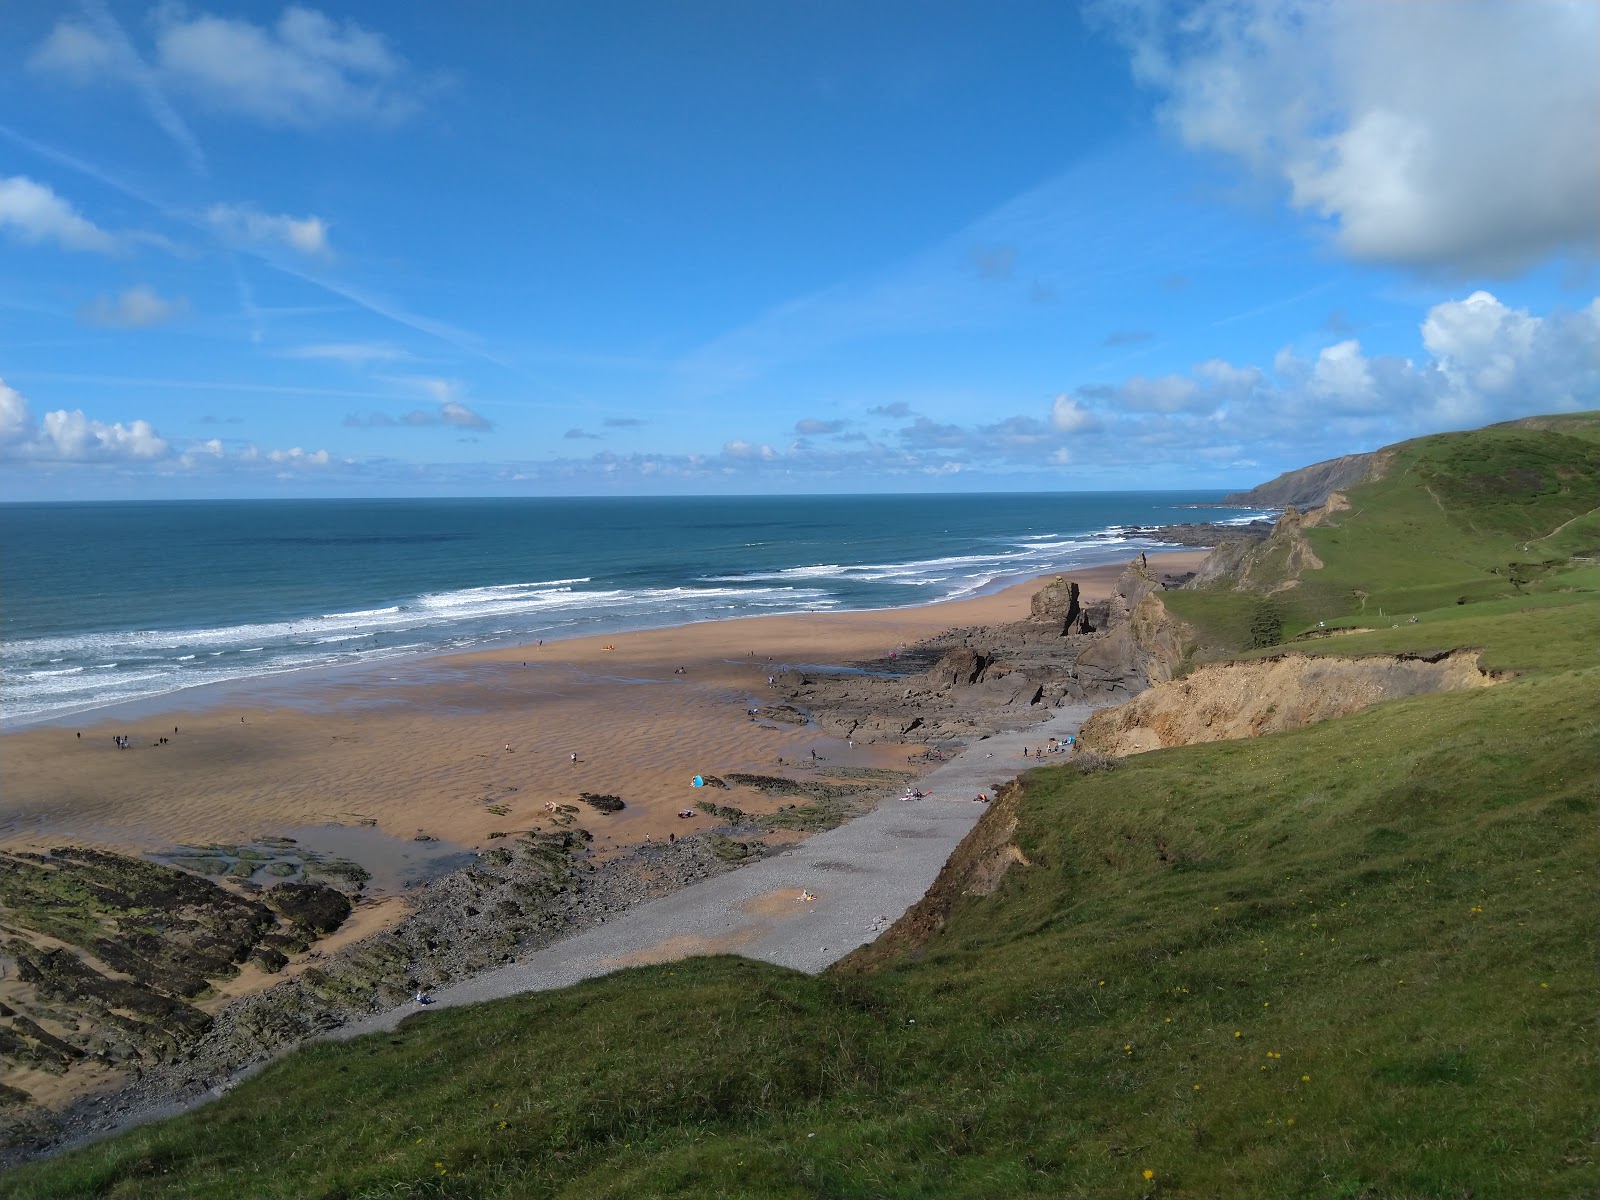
(1306, 487)
(104, 959)
(1247, 699)
(1201, 533)
(518, 896)
(971, 682)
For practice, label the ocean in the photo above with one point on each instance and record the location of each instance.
(106, 603)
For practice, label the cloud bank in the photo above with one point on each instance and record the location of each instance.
(1456, 137)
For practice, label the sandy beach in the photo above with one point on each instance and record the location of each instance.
(458, 748)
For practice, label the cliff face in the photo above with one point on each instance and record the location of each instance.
(1274, 564)
(1247, 699)
(1306, 487)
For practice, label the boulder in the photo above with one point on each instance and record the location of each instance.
(959, 667)
(1057, 604)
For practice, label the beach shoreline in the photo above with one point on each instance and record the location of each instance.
(419, 749)
(343, 768)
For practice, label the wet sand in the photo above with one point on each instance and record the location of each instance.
(419, 748)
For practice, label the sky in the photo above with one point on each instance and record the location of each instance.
(589, 247)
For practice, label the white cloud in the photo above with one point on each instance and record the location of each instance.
(31, 212)
(1482, 362)
(1163, 394)
(75, 51)
(1455, 136)
(242, 223)
(139, 307)
(1067, 415)
(353, 354)
(98, 49)
(745, 450)
(305, 70)
(299, 458)
(71, 437)
(451, 412)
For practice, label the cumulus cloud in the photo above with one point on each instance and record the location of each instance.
(1481, 362)
(65, 436)
(898, 411)
(31, 212)
(1442, 136)
(138, 307)
(304, 70)
(243, 224)
(576, 434)
(1067, 415)
(622, 422)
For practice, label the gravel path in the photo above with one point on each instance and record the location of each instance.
(863, 875)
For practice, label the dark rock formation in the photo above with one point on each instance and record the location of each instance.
(313, 907)
(1201, 533)
(967, 683)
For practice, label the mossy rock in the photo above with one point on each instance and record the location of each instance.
(203, 866)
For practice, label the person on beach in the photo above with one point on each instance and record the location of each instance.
(574, 757)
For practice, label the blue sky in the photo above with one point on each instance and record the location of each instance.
(598, 248)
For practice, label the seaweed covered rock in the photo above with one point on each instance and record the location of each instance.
(312, 906)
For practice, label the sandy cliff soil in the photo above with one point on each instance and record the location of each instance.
(1247, 699)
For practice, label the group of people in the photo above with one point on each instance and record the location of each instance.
(1062, 746)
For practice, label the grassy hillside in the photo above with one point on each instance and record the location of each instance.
(1350, 960)
(1356, 959)
(1455, 519)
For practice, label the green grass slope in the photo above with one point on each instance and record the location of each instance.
(1455, 518)
(1350, 960)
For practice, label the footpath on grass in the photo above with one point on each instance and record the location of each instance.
(861, 876)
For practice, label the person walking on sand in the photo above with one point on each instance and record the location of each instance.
(574, 757)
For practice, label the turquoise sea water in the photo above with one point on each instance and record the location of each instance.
(105, 603)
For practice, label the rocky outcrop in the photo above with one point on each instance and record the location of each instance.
(1199, 533)
(1272, 565)
(517, 897)
(968, 683)
(1143, 644)
(1221, 701)
(1057, 604)
(103, 957)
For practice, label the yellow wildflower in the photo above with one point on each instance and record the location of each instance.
(1149, 1174)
